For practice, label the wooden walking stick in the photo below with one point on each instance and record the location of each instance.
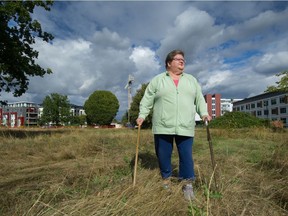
(211, 152)
(136, 156)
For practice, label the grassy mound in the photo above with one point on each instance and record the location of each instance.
(237, 120)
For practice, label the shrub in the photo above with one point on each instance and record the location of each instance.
(237, 120)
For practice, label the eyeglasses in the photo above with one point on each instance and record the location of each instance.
(179, 59)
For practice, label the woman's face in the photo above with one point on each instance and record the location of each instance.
(177, 64)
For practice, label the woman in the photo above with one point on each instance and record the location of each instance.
(175, 97)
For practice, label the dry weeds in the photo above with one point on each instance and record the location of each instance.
(89, 172)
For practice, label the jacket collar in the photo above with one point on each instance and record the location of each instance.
(167, 73)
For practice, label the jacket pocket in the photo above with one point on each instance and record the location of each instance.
(186, 118)
(164, 117)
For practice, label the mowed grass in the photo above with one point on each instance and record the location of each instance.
(90, 172)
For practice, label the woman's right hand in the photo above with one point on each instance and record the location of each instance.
(139, 121)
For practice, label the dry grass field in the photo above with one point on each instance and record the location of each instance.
(89, 172)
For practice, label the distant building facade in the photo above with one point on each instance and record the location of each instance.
(213, 104)
(74, 110)
(77, 110)
(19, 114)
(272, 106)
(27, 113)
(227, 105)
(217, 106)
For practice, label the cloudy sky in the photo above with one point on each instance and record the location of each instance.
(232, 48)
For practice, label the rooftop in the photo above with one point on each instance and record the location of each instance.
(259, 97)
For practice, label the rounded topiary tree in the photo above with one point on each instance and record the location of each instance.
(101, 107)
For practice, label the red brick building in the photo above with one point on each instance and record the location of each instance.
(213, 104)
(1, 111)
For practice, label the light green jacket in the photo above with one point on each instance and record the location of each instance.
(174, 108)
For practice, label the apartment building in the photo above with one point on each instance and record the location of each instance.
(27, 113)
(77, 110)
(227, 105)
(271, 106)
(217, 106)
(213, 104)
(19, 114)
(74, 110)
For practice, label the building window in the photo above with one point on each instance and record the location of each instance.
(283, 110)
(284, 120)
(274, 111)
(242, 107)
(252, 105)
(284, 99)
(273, 101)
(265, 103)
(259, 104)
(259, 113)
(266, 112)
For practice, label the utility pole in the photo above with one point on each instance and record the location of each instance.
(128, 87)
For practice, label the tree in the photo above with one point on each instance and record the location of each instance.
(282, 85)
(56, 109)
(82, 119)
(74, 120)
(17, 35)
(101, 107)
(134, 109)
(77, 120)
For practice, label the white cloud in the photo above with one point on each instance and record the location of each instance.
(272, 63)
(146, 64)
(67, 60)
(217, 78)
(106, 39)
(193, 31)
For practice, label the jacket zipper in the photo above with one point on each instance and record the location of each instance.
(177, 107)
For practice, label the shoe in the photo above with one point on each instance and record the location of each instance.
(188, 192)
(166, 184)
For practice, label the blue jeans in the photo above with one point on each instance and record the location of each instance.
(164, 148)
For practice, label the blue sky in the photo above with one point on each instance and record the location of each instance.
(234, 48)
